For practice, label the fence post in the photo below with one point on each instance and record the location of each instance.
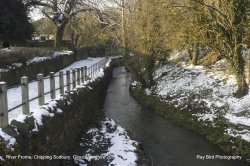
(4, 119)
(91, 69)
(40, 89)
(68, 79)
(98, 64)
(82, 74)
(96, 68)
(85, 73)
(74, 78)
(25, 95)
(52, 86)
(78, 76)
(61, 82)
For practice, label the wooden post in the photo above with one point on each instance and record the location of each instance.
(52, 86)
(74, 78)
(78, 76)
(82, 74)
(90, 72)
(4, 119)
(85, 73)
(91, 69)
(61, 82)
(40, 82)
(98, 64)
(94, 69)
(68, 80)
(25, 95)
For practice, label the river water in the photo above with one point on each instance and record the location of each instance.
(164, 143)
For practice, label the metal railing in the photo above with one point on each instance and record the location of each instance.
(73, 78)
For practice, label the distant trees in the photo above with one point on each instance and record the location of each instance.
(85, 30)
(14, 23)
(60, 12)
(43, 26)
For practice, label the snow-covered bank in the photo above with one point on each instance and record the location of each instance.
(209, 89)
(109, 143)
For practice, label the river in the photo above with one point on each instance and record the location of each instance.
(164, 143)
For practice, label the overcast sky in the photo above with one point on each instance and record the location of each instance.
(35, 14)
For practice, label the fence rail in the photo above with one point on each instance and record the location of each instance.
(74, 77)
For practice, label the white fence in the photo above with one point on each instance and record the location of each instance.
(74, 77)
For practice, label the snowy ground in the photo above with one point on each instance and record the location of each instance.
(107, 144)
(209, 89)
(14, 98)
(14, 94)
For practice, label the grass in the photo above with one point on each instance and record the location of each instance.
(210, 59)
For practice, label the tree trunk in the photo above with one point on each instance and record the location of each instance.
(195, 55)
(59, 35)
(242, 85)
(124, 32)
(74, 39)
(238, 65)
(189, 52)
(149, 66)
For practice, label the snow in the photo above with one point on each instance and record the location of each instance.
(60, 53)
(38, 59)
(244, 134)
(55, 55)
(211, 89)
(10, 49)
(121, 152)
(8, 139)
(134, 83)
(238, 120)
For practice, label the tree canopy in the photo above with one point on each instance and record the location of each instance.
(14, 22)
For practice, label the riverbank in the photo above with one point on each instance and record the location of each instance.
(199, 99)
(105, 142)
(60, 131)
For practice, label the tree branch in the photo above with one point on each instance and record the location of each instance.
(38, 3)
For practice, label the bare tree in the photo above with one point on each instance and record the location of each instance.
(61, 11)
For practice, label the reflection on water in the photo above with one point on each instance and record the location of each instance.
(163, 142)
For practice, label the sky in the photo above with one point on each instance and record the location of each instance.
(35, 14)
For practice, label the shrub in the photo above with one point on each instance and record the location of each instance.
(22, 55)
